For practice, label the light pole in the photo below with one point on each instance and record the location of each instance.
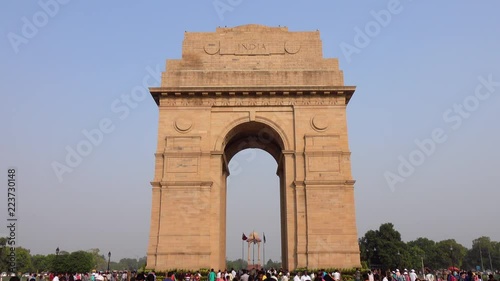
(57, 257)
(109, 259)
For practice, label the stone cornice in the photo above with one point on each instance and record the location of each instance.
(220, 95)
(323, 183)
(182, 184)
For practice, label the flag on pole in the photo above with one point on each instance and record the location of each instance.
(244, 237)
(264, 235)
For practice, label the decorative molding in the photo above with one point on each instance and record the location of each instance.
(326, 153)
(185, 253)
(252, 95)
(183, 184)
(328, 183)
(249, 101)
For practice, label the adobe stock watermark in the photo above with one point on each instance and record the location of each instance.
(32, 25)
(121, 108)
(223, 6)
(454, 118)
(363, 36)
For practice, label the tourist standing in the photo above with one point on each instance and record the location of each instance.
(211, 275)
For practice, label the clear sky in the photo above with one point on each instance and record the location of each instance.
(427, 103)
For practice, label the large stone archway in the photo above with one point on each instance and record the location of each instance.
(262, 87)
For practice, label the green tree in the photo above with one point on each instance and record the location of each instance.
(40, 263)
(449, 253)
(384, 248)
(80, 261)
(479, 255)
(3, 254)
(128, 264)
(428, 254)
(59, 263)
(141, 263)
(23, 260)
(415, 257)
(272, 264)
(100, 262)
(236, 264)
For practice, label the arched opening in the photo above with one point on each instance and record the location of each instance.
(253, 193)
(253, 204)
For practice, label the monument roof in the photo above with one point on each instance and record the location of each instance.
(252, 58)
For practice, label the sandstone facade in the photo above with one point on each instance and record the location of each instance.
(262, 87)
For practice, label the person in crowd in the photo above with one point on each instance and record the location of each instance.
(168, 277)
(297, 276)
(429, 276)
(365, 277)
(413, 275)
(370, 276)
(336, 275)
(244, 276)
(211, 275)
(318, 276)
(140, 276)
(357, 275)
(305, 276)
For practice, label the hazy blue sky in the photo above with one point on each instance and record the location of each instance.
(413, 72)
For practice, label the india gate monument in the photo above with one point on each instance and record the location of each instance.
(252, 86)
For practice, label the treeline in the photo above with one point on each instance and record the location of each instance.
(383, 248)
(240, 264)
(78, 261)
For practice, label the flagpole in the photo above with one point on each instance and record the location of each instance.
(264, 251)
(242, 252)
(264, 254)
(253, 254)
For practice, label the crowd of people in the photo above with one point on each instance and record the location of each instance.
(269, 275)
(405, 275)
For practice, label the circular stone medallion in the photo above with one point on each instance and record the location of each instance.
(320, 122)
(183, 125)
(212, 48)
(292, 47)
